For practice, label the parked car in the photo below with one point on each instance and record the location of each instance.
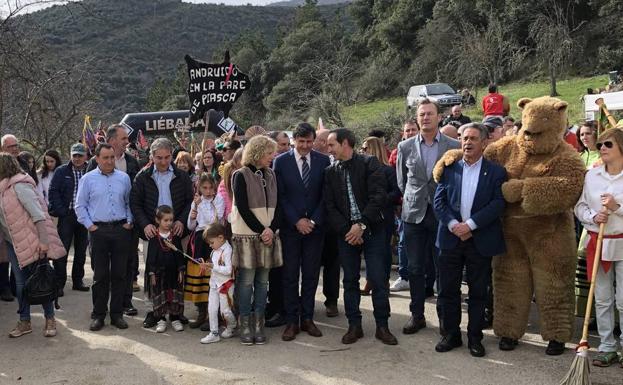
(441, 93)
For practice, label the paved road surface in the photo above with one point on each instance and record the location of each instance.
(140, 356)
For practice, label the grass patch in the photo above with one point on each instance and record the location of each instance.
(570, 90)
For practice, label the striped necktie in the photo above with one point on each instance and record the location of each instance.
(305, 172)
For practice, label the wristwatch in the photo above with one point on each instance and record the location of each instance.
(312, 222)
(362, 226)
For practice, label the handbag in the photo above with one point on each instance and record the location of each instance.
(41, 286)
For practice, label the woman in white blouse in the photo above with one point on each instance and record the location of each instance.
(51, 161)
(601, 202)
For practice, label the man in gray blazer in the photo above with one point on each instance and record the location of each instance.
(416, 158)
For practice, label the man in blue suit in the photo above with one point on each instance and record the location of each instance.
(468, 203)
(300, 182)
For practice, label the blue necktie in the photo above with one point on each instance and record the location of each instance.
(305, 172)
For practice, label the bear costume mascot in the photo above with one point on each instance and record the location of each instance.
(545, 180)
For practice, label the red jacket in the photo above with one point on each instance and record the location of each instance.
(493, 104)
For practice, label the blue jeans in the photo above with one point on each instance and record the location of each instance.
(21, 275)
(252, 286)
(421, 251)
(374, 251)
(403, 261)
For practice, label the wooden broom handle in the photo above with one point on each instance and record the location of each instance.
(600, 102)
(591, 292)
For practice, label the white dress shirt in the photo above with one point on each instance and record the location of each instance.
(299, 161)
(597, 182)
(469, 184)
(209, 211)
(221, 265)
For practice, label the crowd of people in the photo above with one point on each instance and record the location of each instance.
(243, 228)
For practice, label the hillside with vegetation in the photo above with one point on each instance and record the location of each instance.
(110, 57)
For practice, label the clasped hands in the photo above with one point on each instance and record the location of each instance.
(354, 236)
(305, 226)
(462, 230)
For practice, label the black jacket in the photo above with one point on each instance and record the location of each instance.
(144, 197)
(131, 166)
(369, 186)
(61, 190)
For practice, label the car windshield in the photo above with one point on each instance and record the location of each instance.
(439, 89)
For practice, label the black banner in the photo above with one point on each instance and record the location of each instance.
(213, 86)
(167, 122)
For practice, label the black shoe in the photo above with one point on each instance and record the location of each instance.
(60, 293)
(476, 349)
(448, 343)
(183, 319)
(354, 333)
(130, 311)
(507, 343)
(205, 327)
(384, 335)
(6, 295)
(555, 348)
(332, 310)
(150, 320)
(414, 325)
(119, 322)
(430, 292)
(96, 324)
(79, 286)
(275, 321)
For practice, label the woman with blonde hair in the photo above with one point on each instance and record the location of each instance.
(225, 185)
(27, 235)
(374, 146)
(256, 245)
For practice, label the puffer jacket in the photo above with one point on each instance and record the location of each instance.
(24, 236)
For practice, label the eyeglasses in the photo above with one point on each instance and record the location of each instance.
(607, 143)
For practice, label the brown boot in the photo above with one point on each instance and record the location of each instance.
(50, 327)
(202, 316)
(23, 327)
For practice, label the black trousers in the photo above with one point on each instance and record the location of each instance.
(110, 252)
(478, 267)
(275, 292)
(301, 257)
(71, 231)
(331, 269)
(131, 269)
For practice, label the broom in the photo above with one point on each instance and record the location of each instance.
(171, 246)
(579, 372)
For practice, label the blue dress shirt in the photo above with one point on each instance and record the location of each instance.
(103, 198)
(163, 182)
(469, 184)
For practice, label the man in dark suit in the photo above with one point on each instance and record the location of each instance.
(300, 181)
(414, 168)
(468, 203)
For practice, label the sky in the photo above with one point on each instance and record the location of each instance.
(9, 5)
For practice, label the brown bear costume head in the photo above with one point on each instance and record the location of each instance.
(544, 121)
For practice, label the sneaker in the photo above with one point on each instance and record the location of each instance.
(177, 325)
(210, 338)
(23, 327)
(399, 285)
(50, 327)
(161, 326)
(228, 333)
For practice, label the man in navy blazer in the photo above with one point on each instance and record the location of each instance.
(469, 204)
(300, 183)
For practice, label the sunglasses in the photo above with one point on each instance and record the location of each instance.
(607, 143)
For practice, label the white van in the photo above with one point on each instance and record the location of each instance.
(613, 101)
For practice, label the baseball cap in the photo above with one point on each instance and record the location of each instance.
(492, 122)
(78, 148)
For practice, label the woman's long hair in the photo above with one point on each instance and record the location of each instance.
(593, 126)
(9, 167)
(374, 146)
(23, 158)
(43, 170)
(228, 170)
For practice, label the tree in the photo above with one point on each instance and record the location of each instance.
(552, 31)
